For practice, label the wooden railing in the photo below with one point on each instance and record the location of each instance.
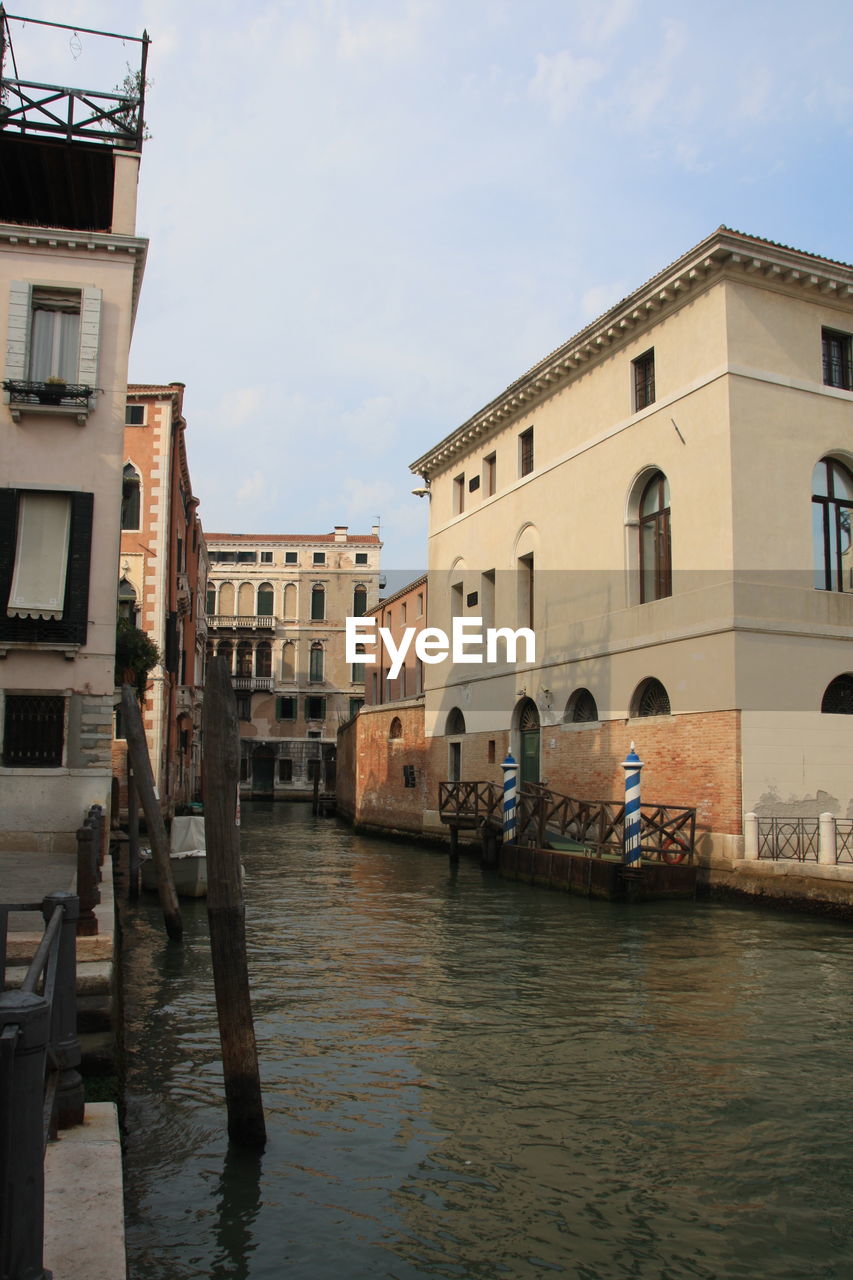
(667, 832)
(470, 804)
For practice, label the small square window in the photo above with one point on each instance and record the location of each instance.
(472, 600)
(285, 708)
(473, 484)
(291, 557)
(319, 557)
(134, 415)
(361, 557)
(525, 452)
(644, 380)
(837, 362)
(266, 557)
(315, 708)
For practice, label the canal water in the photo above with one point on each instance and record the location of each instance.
(470, 1078)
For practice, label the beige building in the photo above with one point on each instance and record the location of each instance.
(71, 267)
(665, 501)
(276, 610)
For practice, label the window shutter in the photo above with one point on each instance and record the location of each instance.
(19, 330)
(79, 557)
(90, 325)
(8, 541)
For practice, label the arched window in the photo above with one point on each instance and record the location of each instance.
(246, 600)
(226, 600)
(581, 708)
(838, 698)
(832, 504)
(396, 729)
(288, 660)
(263, 659)
(655, 542)
(455, 722)
(315, 662)
(226, 652)
(130, 488)
(650, 699)
(244, 658)
(318, 602)
(127, 601)
(290, 600)
(265, 600)
(359, 602)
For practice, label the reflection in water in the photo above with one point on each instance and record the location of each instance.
(466, 1077)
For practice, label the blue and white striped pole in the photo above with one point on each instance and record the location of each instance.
(632, 764)
(510, 769)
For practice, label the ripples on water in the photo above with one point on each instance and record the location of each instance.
(469, 1078)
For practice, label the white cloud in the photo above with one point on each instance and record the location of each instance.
(562, 81)
(605, 19)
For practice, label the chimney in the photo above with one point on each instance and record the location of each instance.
(341, 532)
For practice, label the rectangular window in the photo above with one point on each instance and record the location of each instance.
(319, 557)
(33, 731)
(837, 362)
(361, 557)
(403, 612)
(473, 484)
(285, 770)
(355, 705)
(525, 452)
(134, 415)
(45, 546)
(644, 380)
(525, 591)
(357, 673)
(458, 495)
(55, 334)
(472, 600)
(285, 708)
(315, 708)
(490, 751)
(266, 557)
(291, 557)
(487, 598)
(419, 613)
(244, 706)
(315, 664)
(247, 557)
(314, 733)
(409, 775)
(490, 472)
(456, 598)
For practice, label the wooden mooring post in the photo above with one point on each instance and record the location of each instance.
(226, 911)
(137, 750)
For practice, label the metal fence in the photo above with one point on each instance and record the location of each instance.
(794, 839)
(40, 1085)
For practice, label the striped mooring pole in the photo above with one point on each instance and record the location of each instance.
(510, 769)
(632, 764)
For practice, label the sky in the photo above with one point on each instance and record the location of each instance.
(368, 217)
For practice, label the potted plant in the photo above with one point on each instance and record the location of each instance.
(53, 390)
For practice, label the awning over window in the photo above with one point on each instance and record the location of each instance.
(41, 556)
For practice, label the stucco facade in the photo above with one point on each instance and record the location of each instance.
(277, 606)
(648, 501)
(68, 297)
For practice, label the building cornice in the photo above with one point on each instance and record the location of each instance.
(725, 253)
(62, 240)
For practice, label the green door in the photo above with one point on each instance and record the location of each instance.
(529, 735)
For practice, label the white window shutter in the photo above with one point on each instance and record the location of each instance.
(90, 326)
(19, 329)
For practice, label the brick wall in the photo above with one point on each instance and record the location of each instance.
(370, 784)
